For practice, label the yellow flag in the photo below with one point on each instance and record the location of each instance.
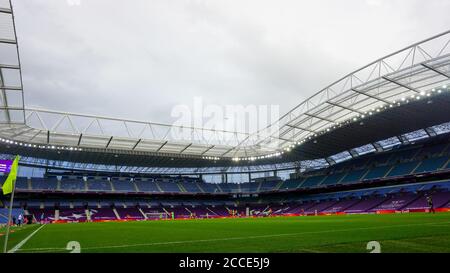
(8, 186)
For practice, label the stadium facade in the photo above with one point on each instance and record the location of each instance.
(376, 140)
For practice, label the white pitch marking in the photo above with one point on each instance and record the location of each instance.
(19, 245)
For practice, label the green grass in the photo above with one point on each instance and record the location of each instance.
(416, 232)
(17, 234)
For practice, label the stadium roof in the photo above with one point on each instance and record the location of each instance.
(401, 92)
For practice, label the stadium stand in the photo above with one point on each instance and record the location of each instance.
(73, 215)
(357, 146)
(190, 186)
(102, 214)
(290, 184)
(72, 184)
(130, 213)
(332, 179)
(123, 185)
(353, 176)
(50, 183)
(98, 184)
(21, 183)
(403, 168)
(395, 180)
(145, 185)
(4, 214)
(210, 188)
(377, 172)
(313, 181)
(48, 214)
(431, 164)
(168, 186)
(411, 197)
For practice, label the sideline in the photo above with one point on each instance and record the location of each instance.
(19, 245)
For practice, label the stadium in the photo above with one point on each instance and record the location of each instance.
(356, 162)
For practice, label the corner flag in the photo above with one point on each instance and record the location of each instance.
(8, 186)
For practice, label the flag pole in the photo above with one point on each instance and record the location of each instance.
(9, 217)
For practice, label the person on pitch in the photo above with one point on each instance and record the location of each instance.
(430, 204)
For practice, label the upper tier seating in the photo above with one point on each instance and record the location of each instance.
(290, 184)
(190, 186)
(396, 203)
(123, 185)
(312, 181)
(168, 186)
(102, 214)
(333, 179)
(353, 176)
(230, 187)
(50, 183)
(400, 161)
(377, 172)
(209, 187)
(396, 198)
(431, 164)
(72, 184)
(434, 150)
(129, 213)
(21, 182)
(269, 185)
(146, 185)
(403, 168)
(98, 185)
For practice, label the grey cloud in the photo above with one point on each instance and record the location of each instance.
(141, 58)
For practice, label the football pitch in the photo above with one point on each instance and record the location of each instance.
(415, 232)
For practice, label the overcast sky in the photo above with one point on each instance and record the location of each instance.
(139, 58)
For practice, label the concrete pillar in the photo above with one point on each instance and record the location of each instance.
(378, 147)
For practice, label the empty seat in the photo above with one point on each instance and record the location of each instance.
(353, 176)
(431, 164)
(21, 183)
(290, 184)
(269, 185)
(123, 185)
(99, 185)
(332, 179)
(44, 183)
(312, 181)
(72, 184)
(209, 187)
(169, 186)
(190, 186)
(146, 186)
(403, 168)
